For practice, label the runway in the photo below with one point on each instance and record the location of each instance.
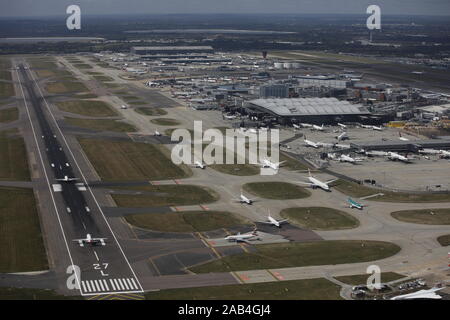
(102, 269)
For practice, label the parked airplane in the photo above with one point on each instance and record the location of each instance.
(354, 204)
(229, 116)
(347, 158)
(421, 294)
(316, 183)
(296, 126)
(243, 237)
(380, 128)
(309, 143)
(375, 153)
(270, 220)
(394, 156)
(90, 241)
(402, 138)
(430, 151)
(316, 127)
(445, 153)
(306, 125)
(67, 179)
(342, 136)
(266, 163)
(244, 199)
(157, 133)
(343, 126)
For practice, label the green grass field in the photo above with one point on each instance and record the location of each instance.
(9, 115)
(165, 122)
(362, 278)
(237, 169)
(296, 254)
(82, 66)
(320, 218)
(5, 63)
(5, 75)
(425, 216)
(355, 190)
(166, 195)
(6, 90)
(276, 190)
(103, 78)
(33, 294)
(188, 221)
(21, 245)
(131, 160)
(90, 108)
(309, 289)
(101, 124)
(65, 87)
(444, 240)
(147, 111)
(13, 157)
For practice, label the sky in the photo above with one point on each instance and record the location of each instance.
(14, 8)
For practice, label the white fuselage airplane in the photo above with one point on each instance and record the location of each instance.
(395, 156)
(316, 127)
(157, 133)
(244, 199)
(270, 220)
(310, 143)
(243, 237)
(67, 179)
(306, 125)
(347, 158)
(296, 126)
(430, 151)
(266, 163)
(445, 153)
(343, 126)
(401, 137)
(316, 183)
(342, 136)
(380, 128)
(198, 164)
(90, 241)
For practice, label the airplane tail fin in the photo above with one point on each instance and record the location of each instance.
(309, 172)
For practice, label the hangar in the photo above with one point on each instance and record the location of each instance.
(311, 110)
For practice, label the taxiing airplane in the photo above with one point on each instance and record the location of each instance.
(90, 241)
(316, 183)
(244, 199)
(266, 163)
(353, 204)
(270, 220)
(243, 237)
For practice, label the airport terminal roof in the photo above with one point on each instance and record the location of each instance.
(172, 48)
(309, 106)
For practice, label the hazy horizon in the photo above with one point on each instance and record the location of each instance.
(49, 8)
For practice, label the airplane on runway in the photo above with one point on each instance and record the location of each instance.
(354, 204)
(270, 220)
(67, 179)
(244, 199)
(310, 143)
(316, 183)
(394, 156)
(266, 163)
(243, 237)
(90, 241)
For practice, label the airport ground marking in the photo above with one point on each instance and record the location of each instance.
(88, 187)
(48, 182)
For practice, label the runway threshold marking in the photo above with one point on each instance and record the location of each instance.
(110, 286)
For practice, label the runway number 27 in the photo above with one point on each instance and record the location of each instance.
(101, 267)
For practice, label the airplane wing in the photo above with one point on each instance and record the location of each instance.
(330, 181)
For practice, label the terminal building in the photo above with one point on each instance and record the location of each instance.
(310, 110)
(171, 50)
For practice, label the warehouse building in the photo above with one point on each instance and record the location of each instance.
(170, 50)
(311, 110)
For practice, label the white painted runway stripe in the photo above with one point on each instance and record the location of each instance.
(115, 285)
